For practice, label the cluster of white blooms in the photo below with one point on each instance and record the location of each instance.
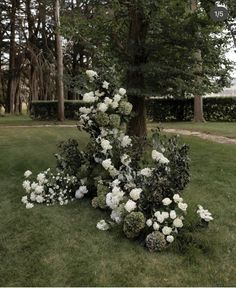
(81, 192)
(91, 74)
(114, 197)
(48, 188)
(159, 157)
(204, 214)
(170, 219)
(102, 225)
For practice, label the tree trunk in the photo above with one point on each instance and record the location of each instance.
(59, 72)
(198, 101)
(11, 90)
(135, 78)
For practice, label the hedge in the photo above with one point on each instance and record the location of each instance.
(47, 110)
(215, 109)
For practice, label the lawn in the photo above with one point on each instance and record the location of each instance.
(60, 246)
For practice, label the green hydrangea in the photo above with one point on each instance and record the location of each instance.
(125, 107)
(102, 119)
(155, 241)
(114, 120)
(102, 191)
(133, 224)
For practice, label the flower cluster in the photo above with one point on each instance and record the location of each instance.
(204, 214)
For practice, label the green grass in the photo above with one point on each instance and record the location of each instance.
(227, 129)
(60, 246)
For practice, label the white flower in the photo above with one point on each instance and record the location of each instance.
(156, 226)
(166, 230)
(102, 107)
(135, 193)
(160, 218)
(29, 205)
(106, 164)
(89, 97)
(122, 91)
(84, 110)
(159, 157)
(183, 206)
(91, 74)
(113, 171)
(115, 183)
(107, 101)
(105, 85)
(27, 173)
(204, 214)
(170, 238)
(149, 222)
(33, 196)
(34, 185)
(114, 104)
(177, 198)
(39, 199)
(147, 172)
(116, 216)
(117, 98)
(130, 206)
(102, 225)
(26, 185)
(41, 178)
(24, 199)
(165, 215)
(79, 194)
(125, 159)
(106, 145)
(98, 93)
(178, 223)
(166, 201)
(126, 141)
(39, 189)
(172, 214)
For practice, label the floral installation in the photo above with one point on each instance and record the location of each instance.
(140, 188)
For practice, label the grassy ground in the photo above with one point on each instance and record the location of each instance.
(60, 246)
(227, 129)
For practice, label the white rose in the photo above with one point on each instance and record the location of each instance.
(130, 206)
(166, 201)
(39, 189)
(170, 238)
(178, 223)
(177, 198)
(172, 214)
(105, 85)
(102, 107)
(156, 226)
(166, 230)
(135, 193)
(147, 172)
(183, 206)
(149, 222)
(27, 173)
(29, 205)
(122, 91)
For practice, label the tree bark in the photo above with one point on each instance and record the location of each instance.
(135, 78)
(59, 60)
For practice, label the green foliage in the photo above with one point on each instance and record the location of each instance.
(102, 191)
(155, 241)
(215, 109)
(133, 224)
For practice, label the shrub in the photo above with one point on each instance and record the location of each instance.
(133, 224)
(155, 241)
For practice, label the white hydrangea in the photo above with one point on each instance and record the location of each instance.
(125, 159)
(117, 98)
(149, 222)
(147, 172)
(116, 216)
(126, 141)
(166, 230)
(135, 193)
(24, 199)
(178, 223)
(130, 206)
(29, 205)
(182, 206)
(156, 226)
(89, 97)
(91, 74)
(39, 199)
(173, 214)
(166, 201)
(27, 174)
(102, 107)
(26, 185)
(107, 101)
(41, 178)
(85, 110)
(165, 214)
(159, 157)
(102, 225)
(159, 216)
(105, 84)
(106, 145)
(122, 91)
(114, 104)
(177, 198)
(79, 193)
(106, 164)
(204, 214)
(98, 93)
